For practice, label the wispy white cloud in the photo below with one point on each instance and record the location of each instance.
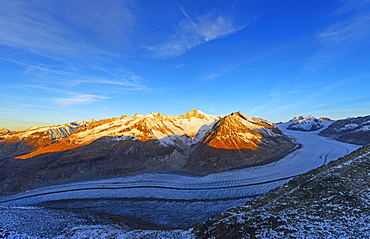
(319, 94)
(7, 110)
(275, 97)
(179, 66)
(350, 30)
(192, 32)
(347, 30)
(65, 46)
(78, 99)
(58, 30)
(346, 6)
(123, 80)
(67, 99)
(211, 76)
(70, 76)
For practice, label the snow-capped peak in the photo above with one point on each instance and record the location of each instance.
(196, 114)
(167, 130)
(309, 123)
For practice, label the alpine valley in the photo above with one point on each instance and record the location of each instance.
(195, 143)
(189, 176)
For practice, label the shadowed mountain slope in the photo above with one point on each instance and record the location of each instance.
(352, 130)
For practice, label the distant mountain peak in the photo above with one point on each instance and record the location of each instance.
(4, 131)
(235, 131)
(309, 123)
(261, 120)
(300, 117)
(325, 119)
(196, 113)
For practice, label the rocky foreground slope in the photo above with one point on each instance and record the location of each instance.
(332, 201)
(195, 143)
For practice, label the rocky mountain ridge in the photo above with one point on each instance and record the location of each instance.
(13, 144)
(351, 130)
(309, 123)
(195, 143)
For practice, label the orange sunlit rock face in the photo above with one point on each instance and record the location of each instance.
(231, 133)
(56, 147)
(192, 113)
(144, 128)
(70, 142)
(14, 144)
(234, 131)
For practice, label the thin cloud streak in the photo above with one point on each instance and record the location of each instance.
(56, 31)
(318, 94)
(70, 76)
(191, 33)
(349, 28)
(36, 28)
(78, 100)
(72, 98)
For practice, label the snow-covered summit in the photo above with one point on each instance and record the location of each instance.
(4, 132)
(309, 123)
(167, 130)
(300, 117)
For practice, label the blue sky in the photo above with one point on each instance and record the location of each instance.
(69, 60)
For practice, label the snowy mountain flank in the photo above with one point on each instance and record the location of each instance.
(351, 130)
(4, 132)
(195, 143)
(309, 123)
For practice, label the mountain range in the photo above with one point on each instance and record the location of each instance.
(309, 123)
(195, 143)
(329, 201)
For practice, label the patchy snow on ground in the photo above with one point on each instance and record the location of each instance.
(108, 232)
